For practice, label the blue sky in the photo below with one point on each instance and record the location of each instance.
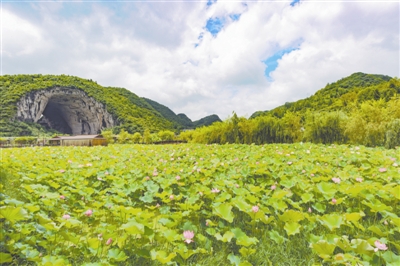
(204, 57)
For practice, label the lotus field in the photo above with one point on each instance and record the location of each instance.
(298, 204)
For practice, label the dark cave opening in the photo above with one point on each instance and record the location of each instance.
(53, 118)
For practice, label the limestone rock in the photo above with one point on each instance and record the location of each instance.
(68, 110)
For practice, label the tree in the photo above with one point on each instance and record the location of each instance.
(137, 137)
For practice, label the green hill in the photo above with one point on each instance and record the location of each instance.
(356, 88)
(181, 121)
(129, 111)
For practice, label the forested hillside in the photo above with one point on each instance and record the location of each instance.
(360, 109)
(133, 113)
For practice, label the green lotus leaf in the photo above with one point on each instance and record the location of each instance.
(5, 257)
(280, 194)
(278, 204)
(395, 191)
(274, 235)
(53, 261)
(13, 214)
(133, 227)
(307, 197)
(234, 259)
(376, 230)
(361, 246)
(391, 258)
(331, 221)
(148, 197)
(162, 256)
(327, 190)
(245, 252)
(323, 249)
(343, 243)
(226, 238)
(291, 216)
(319, 207)
(241, 204)
(224, 210)
(292, 228)
(353, 217)
(171, 235)
(376, 205)
(242, 239)
(94, 243)
(116, 254)
(288, 183)
(14, 202)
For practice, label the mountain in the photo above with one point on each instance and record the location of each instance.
(37, 104)
(181, 121)
(356, 88)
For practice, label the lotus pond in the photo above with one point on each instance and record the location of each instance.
(298, 204)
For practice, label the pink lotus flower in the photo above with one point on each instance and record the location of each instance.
(88, 213)
(395, 164)
(380, 246)
(255, 208)
(207, 223)
(155, 173)
(62, 197)
(289, 163)
(273, 187)
(66, 216)
(69, 161)
(88, 164)
(171, 197)
(188, 235)
(215, 190)
(382, 170)
(201, 193)
(312, 175)
(177, 177)
(109, 241)
(334, 201)
(336, 180)
(359, 179)
(303, 171)
(236, 185)
(99, 178)
(62, 171)
(106, 173)
(147, 178)
(158, 205)
(393, 159)
(257, 162)
(309, 210)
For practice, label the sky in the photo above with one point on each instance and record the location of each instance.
(203, 57)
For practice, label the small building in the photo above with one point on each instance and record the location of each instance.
(79, 140)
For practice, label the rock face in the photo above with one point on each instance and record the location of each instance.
(67, 110)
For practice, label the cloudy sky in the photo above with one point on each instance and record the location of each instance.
(203, 57)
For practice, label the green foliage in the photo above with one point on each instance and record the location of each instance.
(137, 138)
(108, 135)
(25, 140)
(243, 205)
(166, 135)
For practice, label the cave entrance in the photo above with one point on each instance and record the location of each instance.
(70, 114)
(67, 110)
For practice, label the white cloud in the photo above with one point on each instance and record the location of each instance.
(149, 48)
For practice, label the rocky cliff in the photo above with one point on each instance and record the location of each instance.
(67, 110)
